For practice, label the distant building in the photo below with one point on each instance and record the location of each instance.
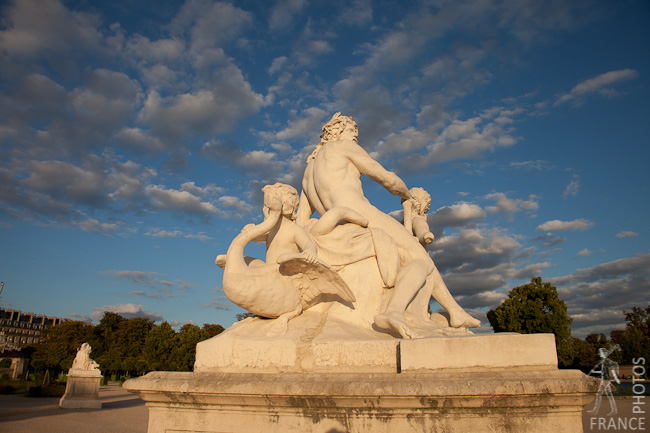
(18, 329)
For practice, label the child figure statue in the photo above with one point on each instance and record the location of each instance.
(292, 277)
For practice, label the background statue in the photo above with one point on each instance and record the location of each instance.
(332, 180)
(82, 360)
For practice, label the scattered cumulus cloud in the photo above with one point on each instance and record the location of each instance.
(507, 207)
(549, 240)
(557, 225)
(151, 280)
(572, 188)
(600, 85)
(128, 311)
(627, 234)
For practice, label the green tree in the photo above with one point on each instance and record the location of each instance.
(131, 337)
(242, 316)
(158, 347)
(103, 333)
(634, 340)
(58, 345)
(536, 308)
(184, 353)
(212, 329)
(124, 343)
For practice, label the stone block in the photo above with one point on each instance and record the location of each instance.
(489, 401)
(82, 391)
(502, 351)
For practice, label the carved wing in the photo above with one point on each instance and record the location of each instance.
(313, 279)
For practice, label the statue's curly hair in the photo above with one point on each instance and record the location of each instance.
(288, 196)
(421, 200)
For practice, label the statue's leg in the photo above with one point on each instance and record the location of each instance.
(458, 318)
(410, 280)
(334, 216)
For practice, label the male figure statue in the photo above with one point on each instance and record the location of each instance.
(333, 179)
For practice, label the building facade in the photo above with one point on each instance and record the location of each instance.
(18, 329)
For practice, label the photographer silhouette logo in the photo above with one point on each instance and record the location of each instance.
(608, 372)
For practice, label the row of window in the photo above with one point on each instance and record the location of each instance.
(23, 340)
(21, 324)
(19, 331)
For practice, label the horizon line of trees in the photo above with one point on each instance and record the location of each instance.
(122, 346)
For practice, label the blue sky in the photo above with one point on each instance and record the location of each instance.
(135, 138)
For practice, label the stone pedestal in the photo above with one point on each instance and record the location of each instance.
(521, 401)
(82, 390)
(491, 383)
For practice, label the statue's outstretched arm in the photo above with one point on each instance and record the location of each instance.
(375, 171)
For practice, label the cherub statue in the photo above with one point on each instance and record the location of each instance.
(292, 277)
(82, 360)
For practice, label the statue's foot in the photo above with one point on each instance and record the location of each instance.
(393, 322)
(460, 319)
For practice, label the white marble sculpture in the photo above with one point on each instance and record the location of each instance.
(307, 258)
(82, 361)
(82, 386)
(292, 278)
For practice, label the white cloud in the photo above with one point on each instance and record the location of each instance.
(162, 233)
(557, 225)
(235, 203)
(456, 215)
(283, 12)
(473, 248)
(139, 277)
(507, 206)
(92, 225)
(462, 139)
(597, 85)
(626, 234)
(307, 124)
(572, 188)
(277, 64)
(638, 267)
(37, 26)
(211, 24)
(183, 201)
(549, 239)
(128, 311)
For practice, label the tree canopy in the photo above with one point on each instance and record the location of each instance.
(634, 340)
(119, 345)
(536, 308)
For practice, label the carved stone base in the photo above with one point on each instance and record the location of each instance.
(82, 391)
(320, 344)
(488, 401)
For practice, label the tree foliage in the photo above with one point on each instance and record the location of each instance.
(59, 344)
(634, 340)
(122, 346)
(536, 308)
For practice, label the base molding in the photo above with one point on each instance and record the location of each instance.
(488, 401)
(82, 391)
